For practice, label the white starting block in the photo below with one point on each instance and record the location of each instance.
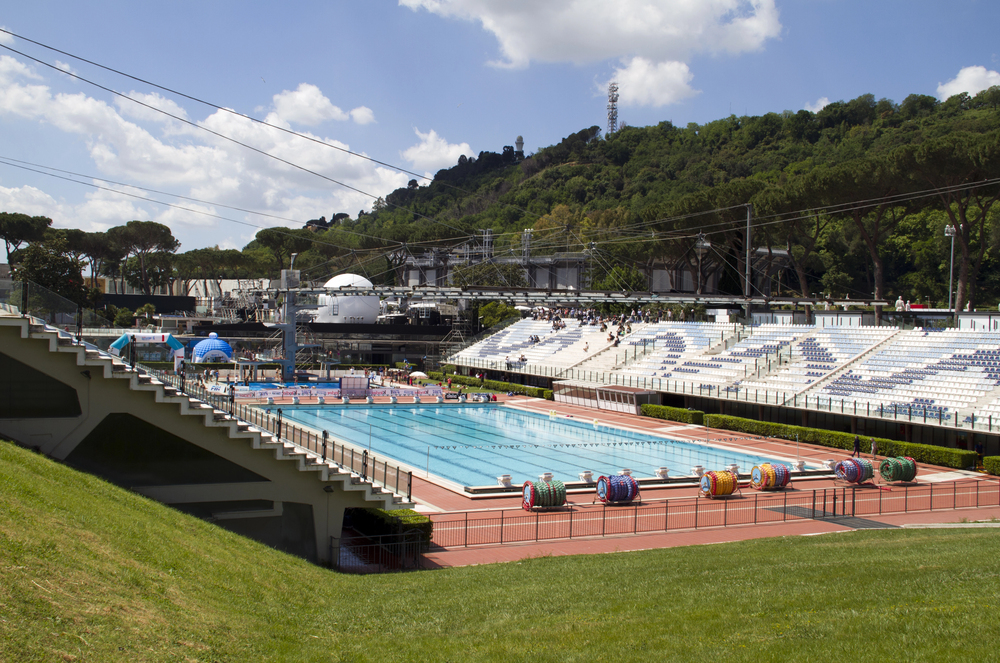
(625, 473)
(734, 468)
(799, 465)
(663, 472)
(504, 480)
(586, 476)
(698, 470)
(545, 476)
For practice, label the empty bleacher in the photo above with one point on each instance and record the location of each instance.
(932, 374)
(816, 355)
(924, 373)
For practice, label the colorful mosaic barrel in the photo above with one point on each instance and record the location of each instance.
(718, 484)
(543, 494)
(617, 488)
(855, 470)
(770, 476)
(902, 468)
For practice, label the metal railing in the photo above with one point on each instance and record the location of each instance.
(327, 449)
(962, 419)
(491, 528)
(378, 554)
(29, 298)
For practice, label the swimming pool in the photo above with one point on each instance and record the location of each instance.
(471, 445)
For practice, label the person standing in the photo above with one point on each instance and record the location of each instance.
(874, 449)
(857, 447)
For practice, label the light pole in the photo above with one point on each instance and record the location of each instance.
(949, 231)
(701, 247)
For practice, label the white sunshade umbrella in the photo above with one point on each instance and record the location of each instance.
(418, 374)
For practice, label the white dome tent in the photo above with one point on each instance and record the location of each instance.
(348, 309)
(212, 348)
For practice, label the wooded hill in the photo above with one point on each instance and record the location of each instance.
(859, 194)
(851, 201)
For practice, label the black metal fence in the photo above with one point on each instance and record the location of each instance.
(377, 554)
(490, 528)
(360, 462)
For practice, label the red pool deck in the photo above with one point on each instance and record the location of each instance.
(435, 499)
(445, 500)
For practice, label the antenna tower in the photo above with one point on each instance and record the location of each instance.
(612, 107)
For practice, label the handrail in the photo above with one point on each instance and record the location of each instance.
(356, 461)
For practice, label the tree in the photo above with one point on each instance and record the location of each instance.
(142, 239)
(876, 181)
(496, 312)
(50, 265)
(952, 165)
(16, 229)
(283, 242)
(146, 312)
(124, 318)
(490, 274)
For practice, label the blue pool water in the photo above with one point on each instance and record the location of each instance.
(472, 445)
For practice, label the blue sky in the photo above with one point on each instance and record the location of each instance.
(414, 84)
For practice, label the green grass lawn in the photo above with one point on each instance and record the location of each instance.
(89, 572)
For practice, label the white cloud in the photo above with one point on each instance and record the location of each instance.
(652, 39)
(363, 115)
(308, 105)
(119, 138)
(581, 31)
(433, 152)
(11, 68)
(820, 104)
(5, 38)
(645, 83)
(148, 106)
(65, 67)
(969, 79)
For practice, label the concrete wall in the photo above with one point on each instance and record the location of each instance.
(271, 509)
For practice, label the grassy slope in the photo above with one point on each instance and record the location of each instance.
(92, 573)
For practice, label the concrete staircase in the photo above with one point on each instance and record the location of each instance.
(165, 395)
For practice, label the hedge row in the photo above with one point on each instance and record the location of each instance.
(992, 465)
(680, 414)
(493, 385)
(378, 522)
(923, 453)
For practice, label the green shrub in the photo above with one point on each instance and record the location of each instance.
(922, 453)
(378, 522)
(548, 394)
(992, 465)
(493, 385)
(673, 413)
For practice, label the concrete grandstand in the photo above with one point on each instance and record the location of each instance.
(939, 386)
